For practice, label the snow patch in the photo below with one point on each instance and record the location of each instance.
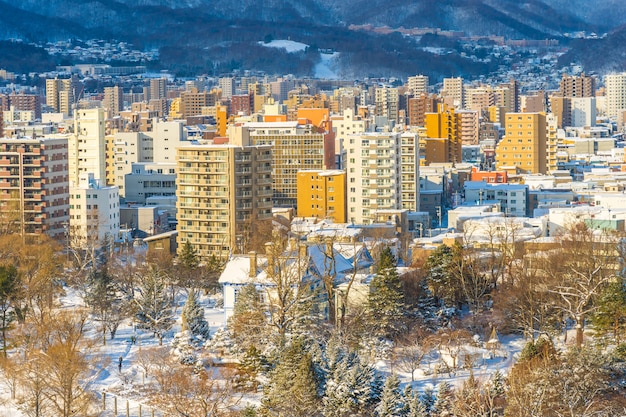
(290, 46)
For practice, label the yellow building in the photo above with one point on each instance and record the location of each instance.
(524, 145)
(445, 127)
(322, 194)
(224, 193)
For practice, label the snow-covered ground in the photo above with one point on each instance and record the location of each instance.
(124, 388)
(325, 69)
(115, 387)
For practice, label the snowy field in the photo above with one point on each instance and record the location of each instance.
(325, 69)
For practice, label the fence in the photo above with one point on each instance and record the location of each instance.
(114, 406)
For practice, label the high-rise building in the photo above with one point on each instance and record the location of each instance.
(561, 108)
(467, 126)
(345, 125)
(419, 106)
(242, 104)
(34, 184)
(62, 93)
(373, 172)
(113, 101)
(22, 102)
(443, 140)
(94, 212)
(583, 111)
(227, 85)
(409, 171)
(322, 194)
(452, 92)
(417, 85)
(158, 88)
(280, 88)
(524, 145)
(387, 103)
(615, 86)
(223, 193)
(87, 146)
(296, 147)
(191, 103)
(577, 86)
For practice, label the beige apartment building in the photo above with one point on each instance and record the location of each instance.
(223, 193)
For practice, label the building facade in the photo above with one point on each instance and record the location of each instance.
(34, 187)
(222, 192)
(322, 194)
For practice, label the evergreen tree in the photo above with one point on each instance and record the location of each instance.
(413, 407)
(250, 366)
(391, 401)
(428, 399)
(442, 405)
(248, 323)
(9, 288)
(440, 278)
(385, 300)
(193, 317)
(188, 257)
(497, 384)
(292, 389)
(154, 310)
(610, 316)
(339, 399)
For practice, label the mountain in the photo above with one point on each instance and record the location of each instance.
(210, 36)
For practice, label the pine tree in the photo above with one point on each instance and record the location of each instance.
(250, 366)
(413, 407)
(154, 310)
(193, 317)
(442, 400)
(293, 388)
(188, 257)
(428, 399)
(248, 323)
(385, 300)
(9, 287)
(610, 316)
(391, 403)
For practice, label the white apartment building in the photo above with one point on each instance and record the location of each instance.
(87, 146)
(373, 172)
(583, 111)
(94, 212)
(150, 179)
(409, 171)
(158, 146)
(512, 198)
(345, 125)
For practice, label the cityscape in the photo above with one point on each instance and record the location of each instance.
(257, 244)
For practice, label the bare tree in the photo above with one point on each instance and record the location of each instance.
(585, 263)
(191, 392)
(410, 351)
(288, 294)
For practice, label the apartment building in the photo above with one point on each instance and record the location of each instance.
(373, 170)
(524, 145)
(322, 194)
(296, 147)
(34, 184)
(223, 192)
